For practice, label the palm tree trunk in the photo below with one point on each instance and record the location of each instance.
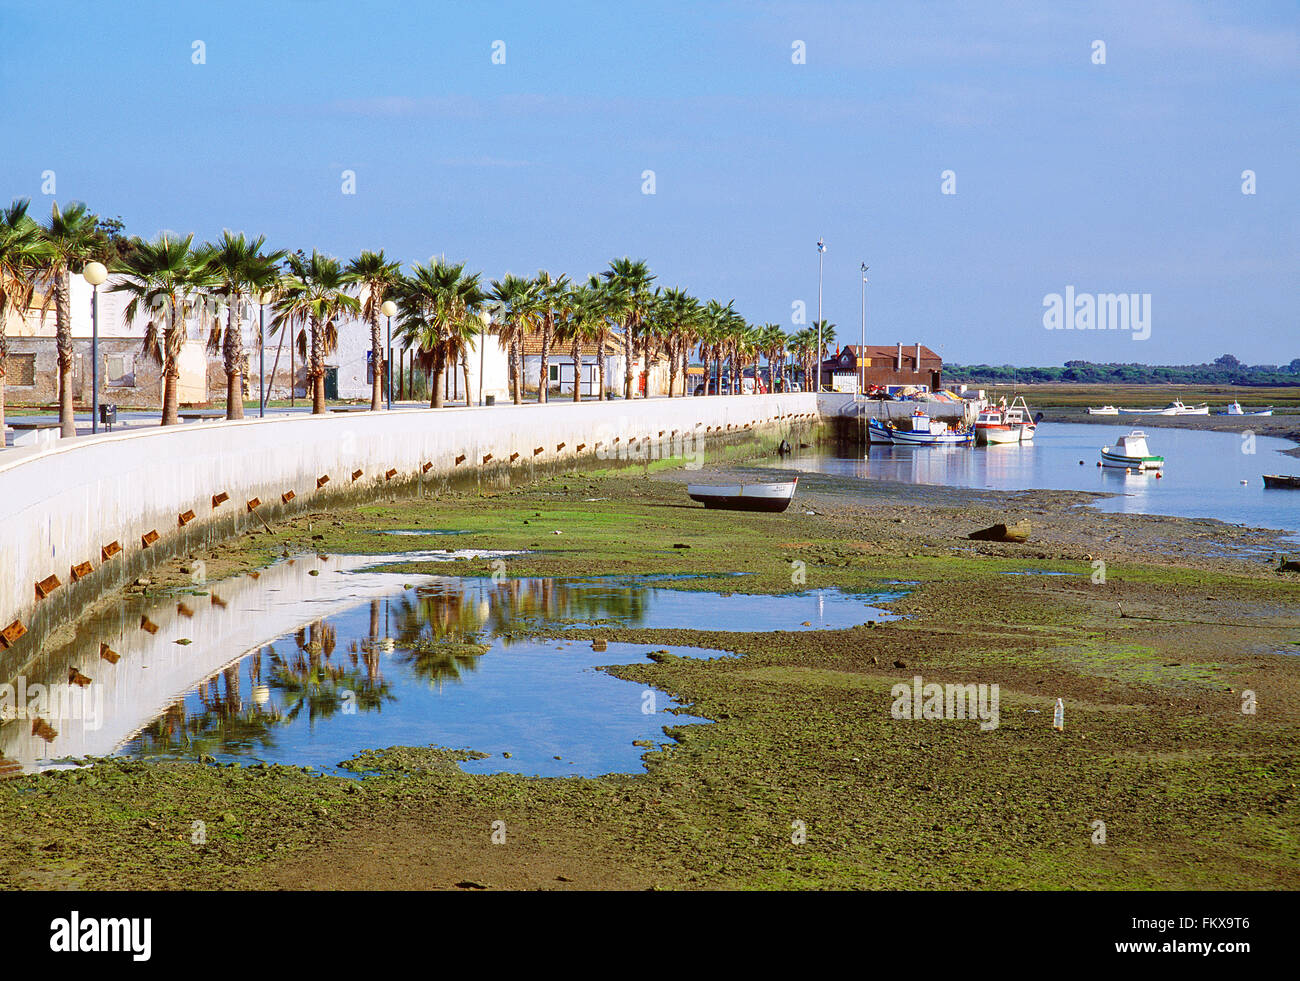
(600, 366)
(2, 396)
(317, 369)
(464, 367)
(543, 379)
(379, 367)
(234, 374)
(517, 393)
(627, 359)
(577, 369)
(439, 370)
(63, 343)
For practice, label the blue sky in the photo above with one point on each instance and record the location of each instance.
(1119, 177)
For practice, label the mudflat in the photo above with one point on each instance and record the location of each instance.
(1173, 643)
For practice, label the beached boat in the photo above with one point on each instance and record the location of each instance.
(1104, 410)
(1131, 453)
(1235, 409)
(921, 430)
(1279, 481)
(1174, 408)
(744, 497)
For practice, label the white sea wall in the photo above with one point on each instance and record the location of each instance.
(60, 505)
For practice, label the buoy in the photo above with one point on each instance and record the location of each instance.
(1058, 717)
(1099, 463)
(1159, 474)
(1128, 469)
(1244, 483)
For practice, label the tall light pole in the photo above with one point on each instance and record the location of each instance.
(485, 318)
(388, 309)
(94, 274)
(821, 257)
(862, 344)
(261, 355)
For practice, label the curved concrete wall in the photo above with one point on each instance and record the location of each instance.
(61, 506)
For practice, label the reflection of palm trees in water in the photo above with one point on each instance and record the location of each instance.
(309, 678)
(465, 610)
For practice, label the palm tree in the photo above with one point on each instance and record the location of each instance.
(162, 278)
(24, 253)
(314, 295)
(827, 339)
(681, 314)
(437, 310)
(548, 291)
(73, 240)
(602, 310)
(584, 319)
(238, 269)
(773, 343)
(374, 277)
(629, 281)
(513, 296)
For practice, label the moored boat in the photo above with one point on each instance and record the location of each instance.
(1174, 408)
(1279, 481)
(991, 427)
(924, 431)
(1235, 409)
(1104, 410)
(775, 497)
(1130, 452)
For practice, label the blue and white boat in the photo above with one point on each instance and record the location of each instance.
(920, 430)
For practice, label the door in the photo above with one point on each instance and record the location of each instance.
(331, 382)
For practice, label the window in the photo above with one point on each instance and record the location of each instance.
(20, 369)
(121, 371)
(554, 372)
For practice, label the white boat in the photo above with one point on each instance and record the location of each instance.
(1105, 410)
(1131, 453)
(992, 428)
(744, 497)
(1235, 409)
(1018, 415)
(1174, 408)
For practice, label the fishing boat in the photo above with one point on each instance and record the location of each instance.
(1018, 415)
(1235, 409)
(992, 428)
(1278, 481)
(920, 431)
(1131, 453)
(1174, 408)
(1005, 424)
(1104, 410)
(774, 497)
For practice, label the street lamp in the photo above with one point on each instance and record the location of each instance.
(862, 344)
(388, 309)
(262, 299)
(485, 318)
(94, 274)
(821, 257)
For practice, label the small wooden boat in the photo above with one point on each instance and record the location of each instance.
(1279, 481)
(1105, 410)
(1018, 532)
(774, 497)
(1131, 453)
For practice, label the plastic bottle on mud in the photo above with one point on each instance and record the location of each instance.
(1058, 717)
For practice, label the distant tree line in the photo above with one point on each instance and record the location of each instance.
(1226, 370)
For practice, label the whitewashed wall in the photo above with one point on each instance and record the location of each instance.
(59, 505)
